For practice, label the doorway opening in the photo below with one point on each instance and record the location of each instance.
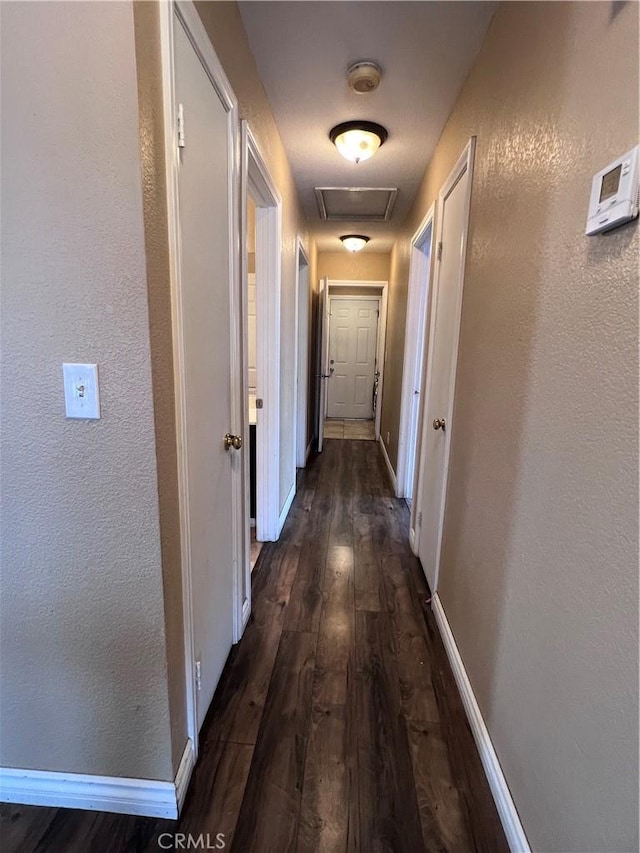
(261, 226)
(352, 319)
(413, 369)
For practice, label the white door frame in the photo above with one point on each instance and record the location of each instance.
(322, 360)
(256, 181)
(414, 340)
(464, 164)
(383, 287)
(186, 12)
(301, 367)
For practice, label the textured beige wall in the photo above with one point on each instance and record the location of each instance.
(147, 45)
(539, 573)
(84, 684)
(224, 25)
(372, 266)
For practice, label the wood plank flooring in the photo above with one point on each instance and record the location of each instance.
(337, 725)
(349, 428)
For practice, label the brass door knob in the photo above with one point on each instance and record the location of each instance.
(439, 423)
(234, 441)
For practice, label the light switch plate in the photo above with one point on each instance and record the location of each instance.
(81, 390)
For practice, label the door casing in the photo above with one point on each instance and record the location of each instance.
(322, 360)
(335, 288)
(189, 18)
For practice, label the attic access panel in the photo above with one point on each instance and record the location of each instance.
(369, 204)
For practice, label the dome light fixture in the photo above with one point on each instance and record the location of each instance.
(358, 140)
(354, 242)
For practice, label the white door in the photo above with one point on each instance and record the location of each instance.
(205, 272)
(353, 337)
(441, 365)
(322, 373)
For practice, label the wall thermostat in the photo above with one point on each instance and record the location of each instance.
(614, 194)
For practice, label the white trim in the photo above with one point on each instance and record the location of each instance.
(415, 334)
(385, 456)
(412, 540)
(307, 452)
(184, 772)
(507, 811)
(171, 168)
(383, 286)
(301, 378)
(381, 355)
(463, 166)
(145, 797)
(322, 360)
(286, 508)
(257, 181)
(240, 478)
(344, 296)
(190, 20)
(357, 283)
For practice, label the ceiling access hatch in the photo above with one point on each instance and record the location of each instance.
(368, 204)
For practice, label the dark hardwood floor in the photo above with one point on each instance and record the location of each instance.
(337, 725)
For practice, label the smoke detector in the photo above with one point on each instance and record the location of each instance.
(364, 76)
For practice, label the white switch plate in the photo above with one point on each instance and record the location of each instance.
(81, 391)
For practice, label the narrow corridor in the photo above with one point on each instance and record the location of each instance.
(337, 725)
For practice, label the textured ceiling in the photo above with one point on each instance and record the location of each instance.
(303, 49)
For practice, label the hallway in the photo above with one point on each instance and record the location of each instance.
(337, 725)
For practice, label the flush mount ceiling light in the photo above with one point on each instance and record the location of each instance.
(358, 140)
(354, 242)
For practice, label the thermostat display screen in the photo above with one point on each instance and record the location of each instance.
(610, 183)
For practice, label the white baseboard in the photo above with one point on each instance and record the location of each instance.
(286, 507)
(307, 452)
(145, 797)
(412, 540)
(392, 473)
(246, 613)
(507, 811)
(183, 776)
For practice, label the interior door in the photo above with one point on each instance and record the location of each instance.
(353, 336)
(204, 216)
(441, 368)
(414, 415)
(322, 375)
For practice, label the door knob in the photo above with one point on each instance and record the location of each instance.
(234, 441)
(439, 423)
